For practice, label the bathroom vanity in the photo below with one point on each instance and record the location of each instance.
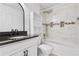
(20, 47)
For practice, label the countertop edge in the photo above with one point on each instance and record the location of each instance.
(18, 40)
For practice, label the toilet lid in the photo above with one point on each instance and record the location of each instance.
(45, 47)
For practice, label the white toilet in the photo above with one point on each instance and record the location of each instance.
(45, 50)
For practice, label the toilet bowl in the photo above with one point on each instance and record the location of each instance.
(45, 50)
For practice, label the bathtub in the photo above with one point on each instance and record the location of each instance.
(62, 49)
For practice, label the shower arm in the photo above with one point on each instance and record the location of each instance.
(23, 16)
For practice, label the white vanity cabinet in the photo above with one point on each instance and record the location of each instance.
(18, 53)
(31, 51)
(26, 47)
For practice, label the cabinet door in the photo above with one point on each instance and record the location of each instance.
(32, 51)
(18, 53)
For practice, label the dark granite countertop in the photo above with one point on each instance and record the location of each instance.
(8, 41)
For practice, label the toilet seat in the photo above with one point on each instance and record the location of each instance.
(45, 49)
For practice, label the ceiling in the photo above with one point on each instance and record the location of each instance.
(13, 5)
(42, 5)
(47, 5)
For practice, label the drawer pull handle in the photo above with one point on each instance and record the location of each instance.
(26, 53)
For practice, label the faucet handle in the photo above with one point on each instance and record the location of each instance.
(12, 30)
(16, 30)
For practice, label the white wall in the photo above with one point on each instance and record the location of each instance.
(68, 34)
(34, 19)
(35, 7)
(37, 21)
(10, 18)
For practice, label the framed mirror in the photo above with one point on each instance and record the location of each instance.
(11, 17)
